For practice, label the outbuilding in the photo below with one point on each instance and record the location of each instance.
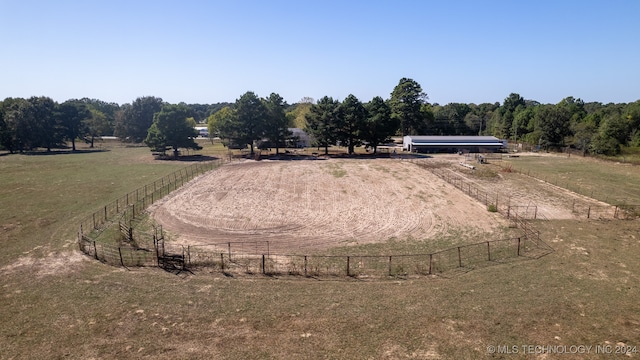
(452, 144)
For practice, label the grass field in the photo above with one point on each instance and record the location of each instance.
(56, 303)
(608, 181)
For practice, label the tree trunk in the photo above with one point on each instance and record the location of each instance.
(175, 153)
(73, 144)
(326, 149)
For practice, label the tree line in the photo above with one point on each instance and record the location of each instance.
(39, 122)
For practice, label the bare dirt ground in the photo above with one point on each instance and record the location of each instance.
(316, 204)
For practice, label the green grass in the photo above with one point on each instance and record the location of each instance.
(64, 305)
(611, 182)
(336, 170)
(43, 195)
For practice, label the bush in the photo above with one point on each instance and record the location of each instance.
(492, 208)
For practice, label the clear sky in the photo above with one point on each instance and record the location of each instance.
(214, 51)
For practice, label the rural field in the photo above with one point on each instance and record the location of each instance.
(58, 303)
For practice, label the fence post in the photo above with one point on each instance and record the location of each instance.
(535, 214)
(430, 263)
(155, 246)
(264, 270)
(95, 250)
(120, 252)
(389, 265)
(489, 251)
(105, 213)
(94, 220)
(189, 254)
(589, 212)
(222, 261)
(459, 257)
(305, 265)
(229, 250)
(117, 207)
(518, 246)
(348, 266)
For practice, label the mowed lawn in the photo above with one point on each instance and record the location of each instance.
(56, 303)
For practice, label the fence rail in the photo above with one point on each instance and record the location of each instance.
(148, 248)
(127, 208)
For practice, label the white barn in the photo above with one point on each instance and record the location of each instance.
(433, 144)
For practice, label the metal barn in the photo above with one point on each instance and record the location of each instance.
(452, 144)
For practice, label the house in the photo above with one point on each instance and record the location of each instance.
(203, 131)
(299, 138)
(451, 144)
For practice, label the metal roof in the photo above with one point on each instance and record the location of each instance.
(457, 144)
(417, 140)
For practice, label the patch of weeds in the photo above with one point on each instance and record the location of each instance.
(336, 170)
(485, 173)
(492, 208)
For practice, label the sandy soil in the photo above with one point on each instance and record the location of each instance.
(315, 204)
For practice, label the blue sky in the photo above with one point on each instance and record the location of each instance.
(214, 51)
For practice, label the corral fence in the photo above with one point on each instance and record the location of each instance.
(465, 257)
(135, 246)
(617, 210)
(494, 201)
(110, 234)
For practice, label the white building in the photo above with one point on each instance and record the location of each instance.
(433, 144)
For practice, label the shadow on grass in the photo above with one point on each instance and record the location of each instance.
(319, 156)
(62, 152)
(188, 158)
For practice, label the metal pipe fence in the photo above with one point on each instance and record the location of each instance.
(148, 248)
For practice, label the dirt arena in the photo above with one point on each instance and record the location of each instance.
(315, 204)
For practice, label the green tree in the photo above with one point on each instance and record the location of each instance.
(171, 130)
(20, 129)
(351, 124)
(97, 125)
(406, 100)
(47, 132)
(220, 120)
(296, 113)
(322, 120)
(108, 109)
(379, 126)
(553, 123)
(136, 119)
(71, 115)
(501, 122)
(277, 124)
(248, 124)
